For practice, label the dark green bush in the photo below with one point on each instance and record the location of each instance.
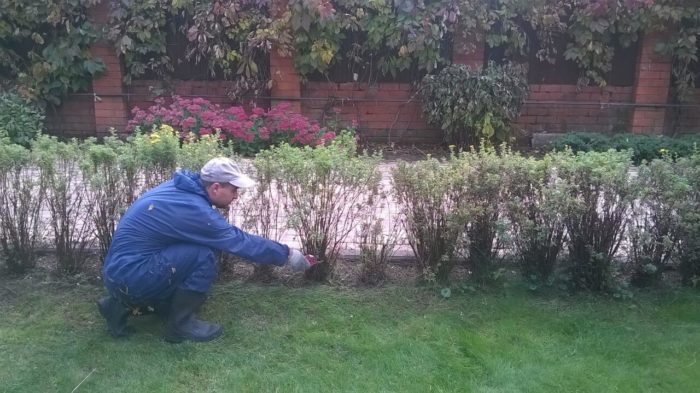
(583, 142)
(474, 104)
(643, 147)
(20, 120)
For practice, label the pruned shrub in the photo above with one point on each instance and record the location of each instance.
(264, 211)
(68, 199)
(378, 236)
(599, 195)
(195, 151)
(534, 205)
(325, 188)
(429, 196)
(689, 211)
(654, 227)
(21, 197)
(109, 169)
(480, 176)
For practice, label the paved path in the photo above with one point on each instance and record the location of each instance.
(389, 213)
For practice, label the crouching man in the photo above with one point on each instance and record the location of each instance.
(162, 254)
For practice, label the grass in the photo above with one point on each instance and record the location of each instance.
(327, 339)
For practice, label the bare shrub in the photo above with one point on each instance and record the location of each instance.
(21, 196)
(69, 202)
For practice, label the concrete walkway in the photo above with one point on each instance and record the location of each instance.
(388, 213)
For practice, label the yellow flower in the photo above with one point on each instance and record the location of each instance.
(166, 128)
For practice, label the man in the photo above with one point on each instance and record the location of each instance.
(162, 253)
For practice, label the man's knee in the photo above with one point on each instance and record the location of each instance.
(193, 266)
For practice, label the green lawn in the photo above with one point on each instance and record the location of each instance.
(326, 339)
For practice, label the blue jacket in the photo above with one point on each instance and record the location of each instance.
(176, 212)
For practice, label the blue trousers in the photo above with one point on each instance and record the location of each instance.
(183, 266)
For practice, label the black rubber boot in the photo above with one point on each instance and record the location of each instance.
(115, 314)
(183, 325)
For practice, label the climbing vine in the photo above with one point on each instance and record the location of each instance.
(229, 36)
(682, 42)
(44, 47)
(138, 31)
(386, 36)
(44, 44)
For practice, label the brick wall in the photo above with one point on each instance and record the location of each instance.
(561, 108)
(387, 112)
(688, 118)
(75, 117)
(140, 92)
(383, 113)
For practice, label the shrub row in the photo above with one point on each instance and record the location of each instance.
(586, 219)
(74, 193)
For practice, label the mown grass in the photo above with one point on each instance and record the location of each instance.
(327, 339)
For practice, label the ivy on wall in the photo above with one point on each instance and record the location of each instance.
(389, 37)
(229, 36)
(44, 44)
(44, 47)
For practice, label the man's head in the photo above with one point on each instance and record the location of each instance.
(222, 178)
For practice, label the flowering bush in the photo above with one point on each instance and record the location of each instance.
(196, 151)
(156, 154)
(249, 132)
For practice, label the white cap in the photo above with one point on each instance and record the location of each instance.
(225, 170)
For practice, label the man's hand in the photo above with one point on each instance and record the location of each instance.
(299, 262)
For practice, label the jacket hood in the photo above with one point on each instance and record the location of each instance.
(190, 182)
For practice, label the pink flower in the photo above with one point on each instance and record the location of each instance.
(188, 122)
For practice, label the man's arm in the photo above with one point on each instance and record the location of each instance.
(210, 229)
